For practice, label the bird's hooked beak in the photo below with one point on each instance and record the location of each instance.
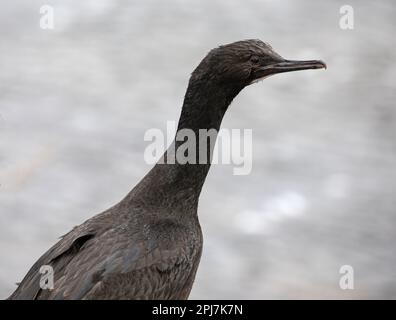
(295, 65)
(286, 66)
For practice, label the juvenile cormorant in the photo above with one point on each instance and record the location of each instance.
(148, 246)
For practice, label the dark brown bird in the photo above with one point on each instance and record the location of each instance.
(148, 246)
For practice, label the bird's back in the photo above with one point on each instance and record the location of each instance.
(125, 252)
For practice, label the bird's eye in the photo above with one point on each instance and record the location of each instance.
(254, 59)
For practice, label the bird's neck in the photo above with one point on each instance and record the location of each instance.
(174, 180)
(204, 106)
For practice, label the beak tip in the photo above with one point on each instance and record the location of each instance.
(322, 64)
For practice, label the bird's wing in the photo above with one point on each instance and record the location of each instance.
(70, 243)
(114, 264)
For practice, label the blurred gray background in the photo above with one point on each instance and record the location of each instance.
(76, 101)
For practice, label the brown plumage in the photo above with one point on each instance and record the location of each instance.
(148, 246)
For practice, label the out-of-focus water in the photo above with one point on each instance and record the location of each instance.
(75, 103)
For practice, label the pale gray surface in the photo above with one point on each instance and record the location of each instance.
(75, 103)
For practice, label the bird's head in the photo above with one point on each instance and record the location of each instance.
(244, 62)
